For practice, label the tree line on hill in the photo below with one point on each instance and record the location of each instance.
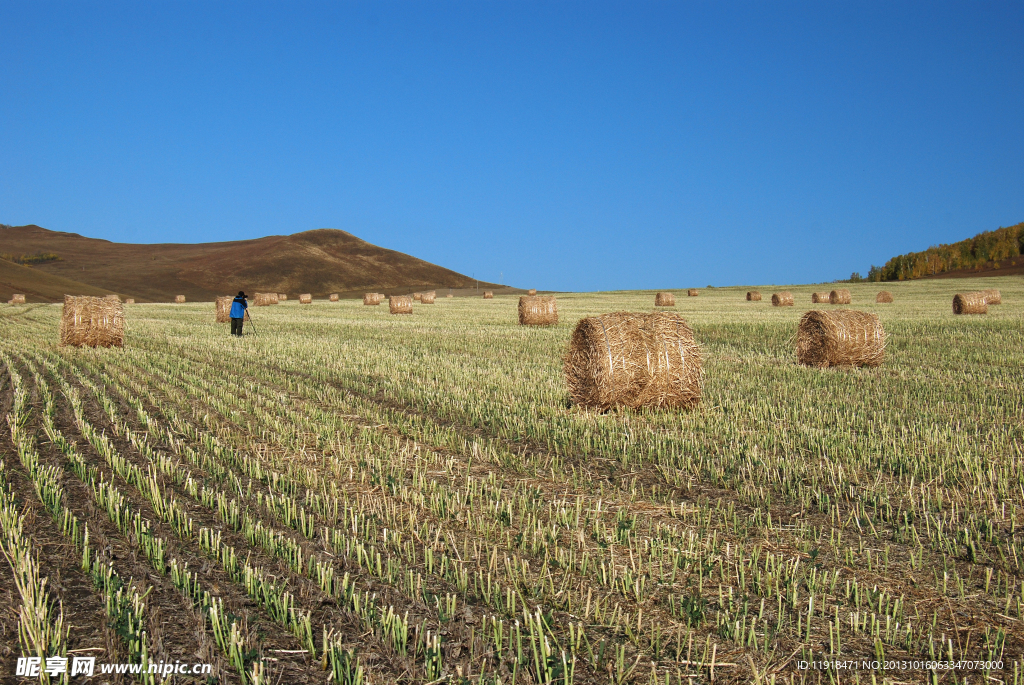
(973, 253)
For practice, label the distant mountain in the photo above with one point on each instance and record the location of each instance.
(993, 253)
(320, 262)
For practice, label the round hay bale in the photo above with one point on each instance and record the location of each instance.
(333, 297)
(633, 360)
(664, 300)
(129, 300)
(970, 303)
(821, 298)
(305, 298)
(840, 297)
(531, 291)
(488, 295)
(783, 299)
(224, 308)
(841, 337)
(179, 299)
(449, 295)
(264, 299)
(884, 297)
(282, 297)
(17, 298)
(371, 299)
(428, 298)
(537, 310)
(753, 296)
(400, 304)
(993, 296)
(692, 292)
(417, 296)
(91, 321)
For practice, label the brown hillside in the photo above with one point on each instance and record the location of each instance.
(318, 262)
(38, 286)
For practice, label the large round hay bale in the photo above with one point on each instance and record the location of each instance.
(753, 296)
(538, 310)
(428, 297)
(970, 303)
(333, 297)
(282, 297)
(91, 321)
(840, 337)
(782, 299)
(488, 295)
(692, 292)
(305, 298)
(400, 304)
(17, 298)
(224, 308)
(370, 299)
(993, 296)
(633, 360)
(820, 298)
(129, 300)
(664, 300)
(840, 297)
(884, 297)
(179, 299)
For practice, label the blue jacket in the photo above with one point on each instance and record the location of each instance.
(238, 307)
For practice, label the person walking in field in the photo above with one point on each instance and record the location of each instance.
(238, 309)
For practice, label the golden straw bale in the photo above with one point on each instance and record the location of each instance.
(428, 297)
(400, 304)
(91, 321)
(129, 300)
(531, 291)
(333, 297)
(633, 360)
(538, 310)
(993, 296)
(884, 297)
(179, 299)
(305, 298)
(282, 297)
(692, 292)
(417, 296)
(371, 298)
(449, 295)
(17, 299)
(821, 298)
(753, 296)
(840, 337)
(783, 299)
(970, 303)
(264, 299)
(664, 300)
(488, 295)
(839, 297)
(224, 308)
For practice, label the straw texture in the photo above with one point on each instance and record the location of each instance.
(224, 309)
(633, 360)
(305, 298)
(839, 297)
(970, 303)
(664, 300)
(400, 304)
(179, 299)
(841, 337)
(753, 296)
(488, 295)
(993, 296)
(91, 321)
(538, 310)
(783, 299)
(883, 297)
(821, 298)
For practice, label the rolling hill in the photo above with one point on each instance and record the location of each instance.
(319, 262)
(990, 253)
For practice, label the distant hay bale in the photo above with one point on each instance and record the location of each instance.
(371, 298)
(633, 360)
(531, 291)
(428, 297)
(305, 298)
(993, 296)
(282, 297)
(224, 308)
(821, 298)
(449, 295)
(884, 297)
(840, 337)
(839, 297)
(264, 299)
(970, 303)
(538, 310)
(91, 321)
(333, 297)
(400, 304)
(417, 296)
(17, 299)
(664, 300)
(179, 299)
(783, 299)
(753, 296)
(129, 300)
(488, 295)
(692, 292)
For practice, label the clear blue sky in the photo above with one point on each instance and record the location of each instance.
(570, 146)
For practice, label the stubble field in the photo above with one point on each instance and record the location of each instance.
(351, 496)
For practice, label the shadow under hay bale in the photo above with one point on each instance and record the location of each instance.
(17, 299)
(664, 300)
(840, 297)
(993, 296)
(538, 310)
(371, 298)
(488, 295)
(333, 297)
(428, 298)
(633, 360)
(783, 299)
(264, 299)
(884, 297)
(820, 298)
(753, 296)
(970, 303)
(179, 299)
(692, 292)
(305, 298)
(224, 308)
(400, 304)
(91, 321)
(841, 337)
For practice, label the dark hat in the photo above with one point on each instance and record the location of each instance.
(241, 293)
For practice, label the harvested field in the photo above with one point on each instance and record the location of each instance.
(445, 445)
